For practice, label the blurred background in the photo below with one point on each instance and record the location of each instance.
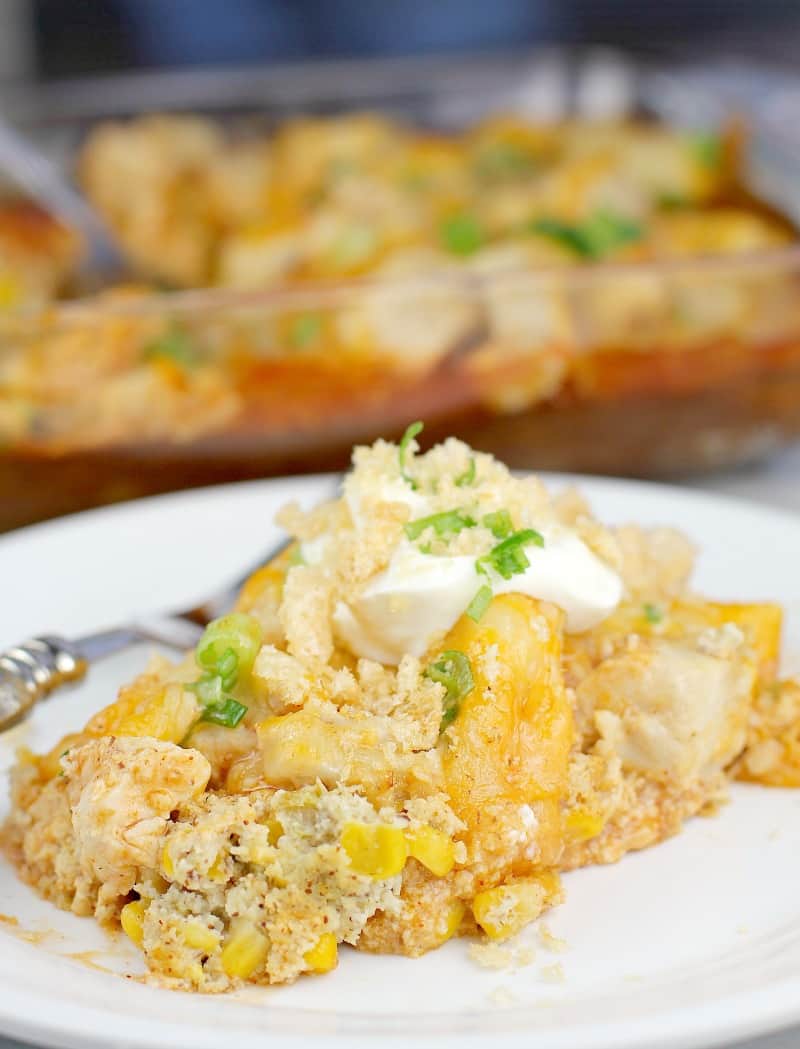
(51, 38)
(237, 236)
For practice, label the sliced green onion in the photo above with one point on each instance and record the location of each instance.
(605, 231)
(228, 669)
(411, 432)
(563, 232)
(462, 234)
(235, 633)
(673, 201)
(499, 524)
(453, 670)
(339, 166)
(354, 245)
(448, 522)
(653, 614)
(296, 555)
(305, 330)
(416, 181)
(508, 558)
(228, 713)
(208, 689)
(174, 345)
(468, 477)
(707, 149)
(594, 238)
(502, 160)
(215, 705)
(479, 603)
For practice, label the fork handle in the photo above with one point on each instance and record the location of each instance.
(32, 670)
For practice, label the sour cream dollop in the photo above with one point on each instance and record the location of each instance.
(418, 597)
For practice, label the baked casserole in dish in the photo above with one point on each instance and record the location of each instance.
(585, 294)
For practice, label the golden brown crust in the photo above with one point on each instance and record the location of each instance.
(651, 813)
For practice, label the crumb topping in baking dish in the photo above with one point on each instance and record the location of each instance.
(451, 687)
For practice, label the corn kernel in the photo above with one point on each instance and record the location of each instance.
(131, 918)
(200, 938)
(455, 915)
(167, 866)
(246, 948)
(324, 955)
(10, 291)
(582, 824)
(216, 871)
(432, 849)
(504, 910)
(260, 854)
(276, 830)
(195, 974)
(376, 849)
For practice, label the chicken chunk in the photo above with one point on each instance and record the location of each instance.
(670, 711)
(121, 792)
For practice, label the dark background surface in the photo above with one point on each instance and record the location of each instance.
(71, 37)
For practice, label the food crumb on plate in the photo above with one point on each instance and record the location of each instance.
(553, 973)
(501, 956)
(502, 995)
(550, 941)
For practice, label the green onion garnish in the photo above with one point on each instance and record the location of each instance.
(175, 346)
(462, 234)
(563, 232)
(653, 614)
(208, 689)
(605, 231)
(355, 245)
(228, 669)
(411, 432)
(228, 648)
(508, 558)
(211, 691)
(499, 524)
(228, 713)
(673, 201)
(503, 160)
(479, 603)
(707, 149)
(468, 477)
(236, 634)
(305, 330)
(592, 239)
(453, 670)
(416, 181)
(339, 166)
(448, 522)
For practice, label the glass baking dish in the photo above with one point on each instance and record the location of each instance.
(639, 369)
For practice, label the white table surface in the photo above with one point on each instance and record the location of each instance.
(776, 483)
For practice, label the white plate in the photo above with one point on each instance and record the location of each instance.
(693, 943)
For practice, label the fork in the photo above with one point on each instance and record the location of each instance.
(40, 666)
